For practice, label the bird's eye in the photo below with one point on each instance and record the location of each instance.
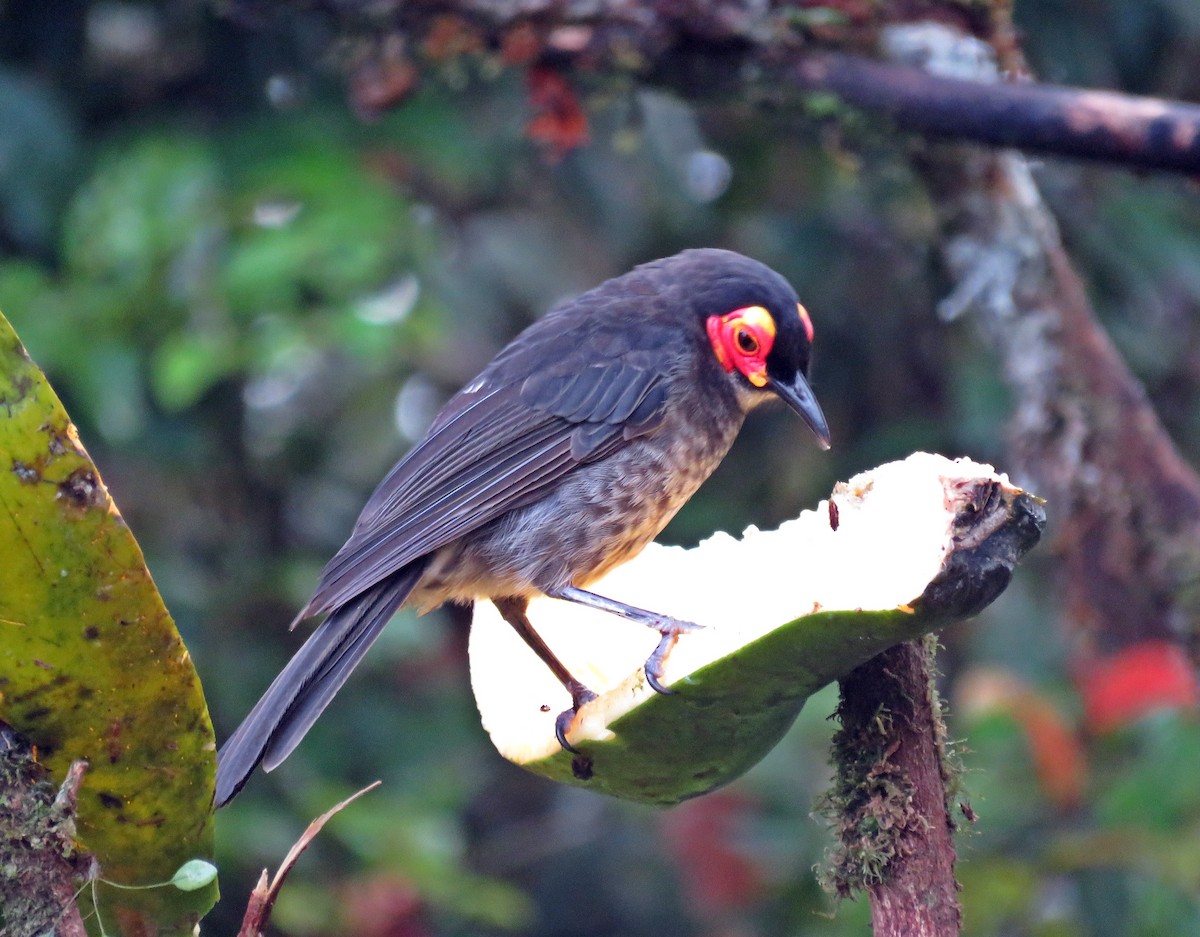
(746, 342)
(742, 339)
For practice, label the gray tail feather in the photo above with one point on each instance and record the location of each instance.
(292, 703)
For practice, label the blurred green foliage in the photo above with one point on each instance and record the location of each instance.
(251, 301)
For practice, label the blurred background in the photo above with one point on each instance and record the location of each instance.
(253, 291)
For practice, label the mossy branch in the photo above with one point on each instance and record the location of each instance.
(889, 803)
(40, 865)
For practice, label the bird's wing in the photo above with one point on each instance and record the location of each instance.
(500, 444)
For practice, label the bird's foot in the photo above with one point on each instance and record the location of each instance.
(670, 629)
(562, 724)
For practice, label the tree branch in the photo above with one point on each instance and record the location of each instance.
(1125, 505)
(727, 47)
(894, 822)
(1147, 133)
(889, 801)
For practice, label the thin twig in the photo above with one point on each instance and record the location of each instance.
(262, 899)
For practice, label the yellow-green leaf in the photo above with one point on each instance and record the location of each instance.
(91, 665)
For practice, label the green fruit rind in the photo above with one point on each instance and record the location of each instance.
(725, 717)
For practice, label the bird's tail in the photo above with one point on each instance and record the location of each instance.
(292, 703)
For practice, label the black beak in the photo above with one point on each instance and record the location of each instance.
(799, 396)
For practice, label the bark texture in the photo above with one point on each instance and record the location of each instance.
(40, 868)
(894, 821)
(1124, 506)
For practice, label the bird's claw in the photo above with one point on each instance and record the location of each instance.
(562, 723)
(656, 684)
(670, 629)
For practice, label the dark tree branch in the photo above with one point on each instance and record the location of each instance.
(705, 49)
(1124, 504)
(1147, 133)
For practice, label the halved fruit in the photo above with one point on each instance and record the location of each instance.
(895, 552)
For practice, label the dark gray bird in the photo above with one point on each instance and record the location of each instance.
(566, 456)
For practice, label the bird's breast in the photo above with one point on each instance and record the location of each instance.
(599, 516)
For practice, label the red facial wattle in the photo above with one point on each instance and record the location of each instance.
(805, 321)
(742, 339)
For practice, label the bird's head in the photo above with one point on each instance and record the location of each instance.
(759, 333)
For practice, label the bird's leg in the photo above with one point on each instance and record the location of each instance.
(512, 610)
(669, 628)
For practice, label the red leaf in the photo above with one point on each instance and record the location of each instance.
(1138, 679)
(520, 45)
(382, 905)
(707, 839)
(559, 124)
(1054, 746)
(381, 84)
(1057, 753)
(450, 36)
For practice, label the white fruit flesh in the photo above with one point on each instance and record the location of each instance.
(893, 532)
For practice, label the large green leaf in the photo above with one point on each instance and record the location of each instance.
(91, 665)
